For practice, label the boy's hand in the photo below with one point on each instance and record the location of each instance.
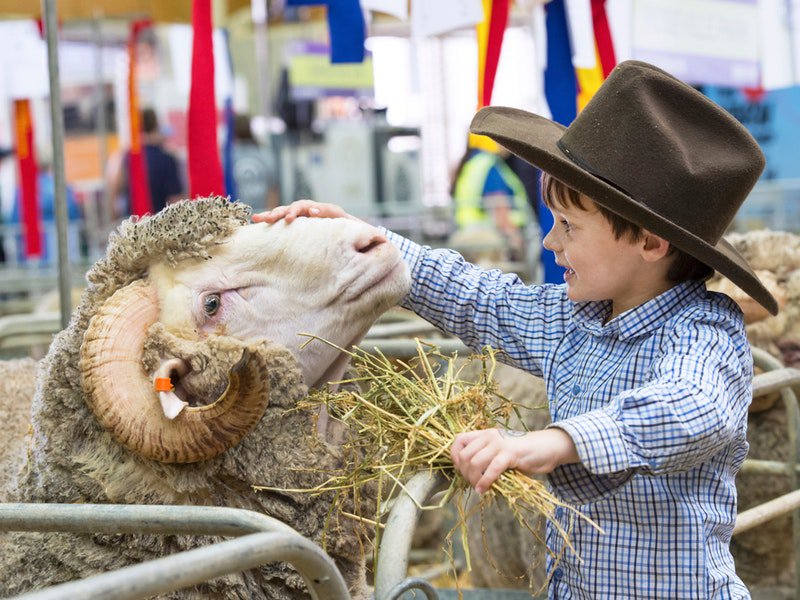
(482, 456)
(301, 208)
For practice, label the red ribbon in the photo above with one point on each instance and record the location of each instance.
(28, 181)
(205, 167)
(497, 29)
(602, 36)
(138, 188)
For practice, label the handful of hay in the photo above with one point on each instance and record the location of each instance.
(404, 420)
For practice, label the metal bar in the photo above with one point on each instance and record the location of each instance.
(762, 513)
(773, 381)
(201, 564)
(26, 329)
(412, 327)
(101, 211)
(403, 348)
(413, 583)
(259, 14)
(57, 129)
(133, 518)
(151, 577)
(765, 467)
(395, 544)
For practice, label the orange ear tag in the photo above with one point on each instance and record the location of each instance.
(162, 384)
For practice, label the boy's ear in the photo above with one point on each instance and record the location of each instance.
(654, 247)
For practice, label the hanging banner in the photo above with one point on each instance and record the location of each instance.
(711, 42)
(138, 187)
(434, 17)
(205, 168)
(28, 180)
(396, 8)
(346, 28)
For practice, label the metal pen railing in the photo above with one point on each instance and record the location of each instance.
(262, 540)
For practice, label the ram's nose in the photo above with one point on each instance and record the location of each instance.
(370, 243)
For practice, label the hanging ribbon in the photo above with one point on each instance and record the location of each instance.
(490, 41)
(602, 36)
(490, 33)
(205, 169)
(227, 144)
(138, 187)
(560, 90)
(28, 180)
(590, 80)
(227, 151)
(346, 28)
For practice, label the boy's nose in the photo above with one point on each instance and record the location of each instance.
(549, 241)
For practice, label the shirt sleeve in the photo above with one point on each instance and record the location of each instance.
(484, 307)
(692, 407)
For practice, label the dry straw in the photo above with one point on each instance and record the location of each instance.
(402, 420)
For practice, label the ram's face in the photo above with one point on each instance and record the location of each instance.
(329, 278)
(325, 277)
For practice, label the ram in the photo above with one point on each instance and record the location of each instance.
(177, 382)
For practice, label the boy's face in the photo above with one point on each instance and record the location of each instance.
(599, 266)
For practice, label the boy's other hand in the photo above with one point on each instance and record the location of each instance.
(482, 456)
(301, 208)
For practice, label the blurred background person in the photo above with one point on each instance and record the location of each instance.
(491, 205)
(163, 173)
(254, 168)
(4, 153)
(47, 205)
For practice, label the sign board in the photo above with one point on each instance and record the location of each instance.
(711, 42)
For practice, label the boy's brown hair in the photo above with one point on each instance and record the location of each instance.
(684, 266)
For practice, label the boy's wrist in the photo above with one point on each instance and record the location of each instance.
(543, 451)
(566, 451)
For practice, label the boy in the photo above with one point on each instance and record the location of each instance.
(648, 374)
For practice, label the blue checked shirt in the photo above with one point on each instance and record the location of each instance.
(656, 402)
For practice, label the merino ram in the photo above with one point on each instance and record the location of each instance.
(198, 295)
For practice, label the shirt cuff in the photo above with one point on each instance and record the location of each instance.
(599, 442)
(411, 252)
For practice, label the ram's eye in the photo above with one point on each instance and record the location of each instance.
(211, 304)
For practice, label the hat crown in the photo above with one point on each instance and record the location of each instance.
(668, 147)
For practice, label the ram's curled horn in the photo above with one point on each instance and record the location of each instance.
(122, 397)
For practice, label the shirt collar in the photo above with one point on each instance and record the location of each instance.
(639, 320)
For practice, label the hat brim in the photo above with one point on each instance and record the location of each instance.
(535, 139)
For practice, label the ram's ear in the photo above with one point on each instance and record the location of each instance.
(122, 396)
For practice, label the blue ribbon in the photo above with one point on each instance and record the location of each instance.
(561, 91)
(346, 27)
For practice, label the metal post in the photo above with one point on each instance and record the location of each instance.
(392, 566)
(105, 213)
(57, 129)
(259, 14)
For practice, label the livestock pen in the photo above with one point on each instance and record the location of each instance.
(258, 539)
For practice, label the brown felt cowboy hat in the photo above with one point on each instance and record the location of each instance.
(655, 151)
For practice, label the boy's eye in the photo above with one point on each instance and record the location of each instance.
(565, 224)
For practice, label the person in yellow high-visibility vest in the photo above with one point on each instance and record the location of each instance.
(488, 194)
